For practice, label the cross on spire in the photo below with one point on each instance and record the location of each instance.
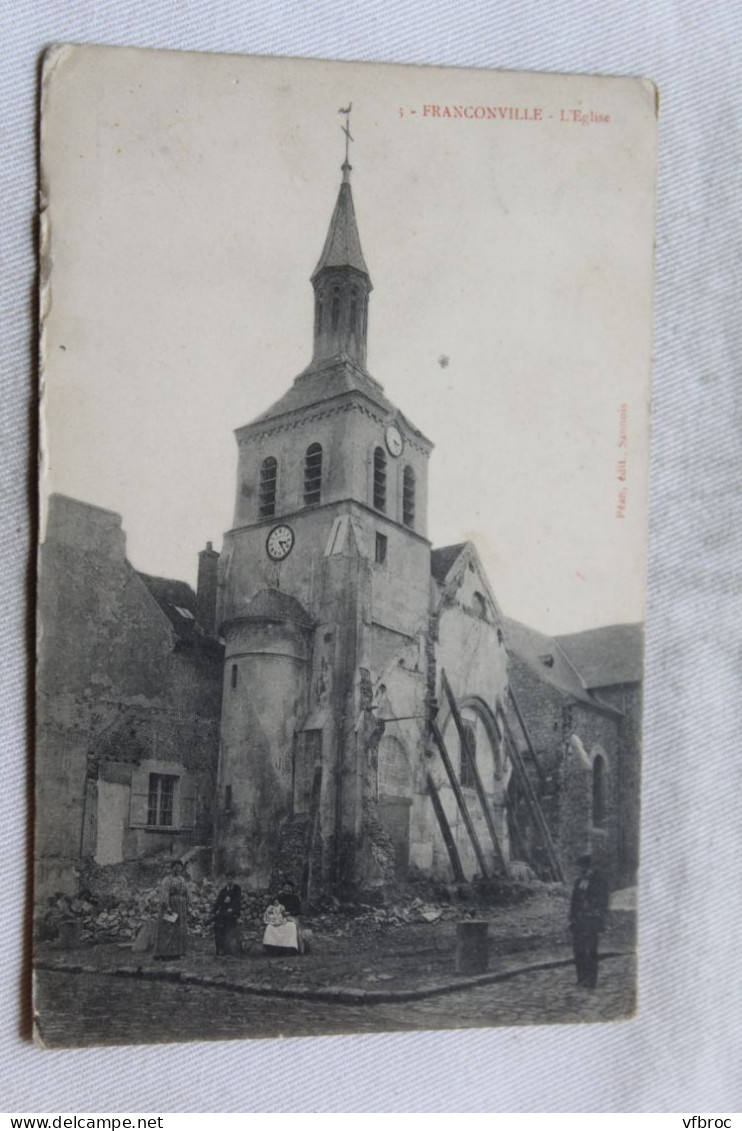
(346, 166)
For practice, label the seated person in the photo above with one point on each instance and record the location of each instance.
(282, 934)
(290, 900)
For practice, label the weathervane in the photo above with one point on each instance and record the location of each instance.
(348, 137)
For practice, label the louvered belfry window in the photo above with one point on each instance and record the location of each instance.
(380, 479)
(268, 480)
(408, 497)
(313, 475)
(353, 310)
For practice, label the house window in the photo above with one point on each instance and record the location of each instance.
(160, 805)
(312, 475)
(466, 776)
(380, 479)
(381, 541)
(599, 791)
(234, 676)
(268, 478)
(408, 497)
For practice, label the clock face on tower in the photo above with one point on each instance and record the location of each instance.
(394, 440)
(279, 543)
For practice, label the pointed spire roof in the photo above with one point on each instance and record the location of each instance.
(343, 245)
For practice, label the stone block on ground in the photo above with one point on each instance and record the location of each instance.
(471, 946)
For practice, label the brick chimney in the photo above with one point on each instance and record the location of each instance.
(208, 562)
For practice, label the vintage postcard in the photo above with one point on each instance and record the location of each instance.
(345, 411)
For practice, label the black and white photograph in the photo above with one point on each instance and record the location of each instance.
(345, 403)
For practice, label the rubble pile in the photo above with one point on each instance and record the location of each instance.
(118, 917)
(363, 918)
(354, 919)
(121, 922)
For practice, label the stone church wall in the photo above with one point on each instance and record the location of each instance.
(470, 651)
(552, 717)
(627, 698)
(265, 696)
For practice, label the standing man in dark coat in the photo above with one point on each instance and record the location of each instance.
(226, 915)
(587, 915)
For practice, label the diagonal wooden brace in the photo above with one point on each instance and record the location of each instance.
(460, 800)
(471, 759)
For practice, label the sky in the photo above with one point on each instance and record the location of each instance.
(188, 199)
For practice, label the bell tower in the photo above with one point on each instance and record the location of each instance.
(324, 599)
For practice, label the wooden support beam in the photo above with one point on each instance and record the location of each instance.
(453, 852)
(471, 758)
(460, 800)
(531, 800)
(534, 756)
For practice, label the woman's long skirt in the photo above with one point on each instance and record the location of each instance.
(171, 939)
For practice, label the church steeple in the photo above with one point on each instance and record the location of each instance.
(341, 284)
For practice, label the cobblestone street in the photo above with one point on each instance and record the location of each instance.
(85, 1009)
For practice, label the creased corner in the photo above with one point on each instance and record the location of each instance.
(52, 59)
(654, 93)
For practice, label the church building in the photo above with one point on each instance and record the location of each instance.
(338, 704)
(339, 622)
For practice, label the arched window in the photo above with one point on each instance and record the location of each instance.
(353, 310)
(318, 317)
(598, 791)
(480, 606)
(335, 309)
(268, 479)
(466, 774)
(408, 497)
(380, 479)
(313, 475)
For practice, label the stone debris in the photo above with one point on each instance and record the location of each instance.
(358, 947)
(124, 921)
(120, 917)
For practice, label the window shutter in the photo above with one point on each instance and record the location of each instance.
(139, 798)
(188, 800)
